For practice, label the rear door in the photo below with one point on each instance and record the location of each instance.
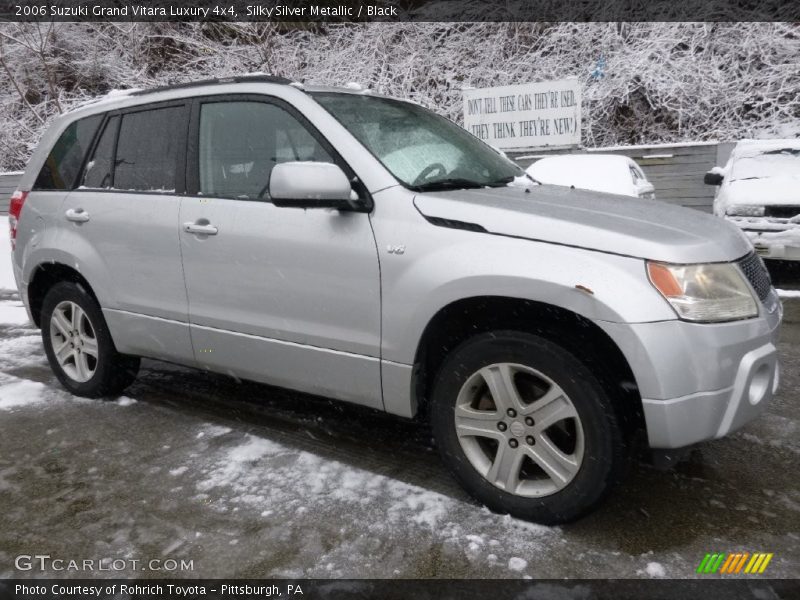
(125, 210)
(281, 295)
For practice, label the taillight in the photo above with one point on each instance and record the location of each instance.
(14, 211)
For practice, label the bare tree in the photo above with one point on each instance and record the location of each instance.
(642, 82)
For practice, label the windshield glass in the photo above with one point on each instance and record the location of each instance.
(774, 163)
(423, 150)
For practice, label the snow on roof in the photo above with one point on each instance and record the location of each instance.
(110, 96)
(595, 160)
(602, 172)
(759, 146)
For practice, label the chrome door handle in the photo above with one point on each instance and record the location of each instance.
(200, 228)
(77, 215)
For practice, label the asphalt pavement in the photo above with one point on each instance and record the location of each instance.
(212, 477)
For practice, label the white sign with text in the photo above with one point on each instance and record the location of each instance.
(528, 115)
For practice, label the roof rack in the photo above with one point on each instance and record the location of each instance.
(218, 81)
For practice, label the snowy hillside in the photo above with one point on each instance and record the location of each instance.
(642, 82)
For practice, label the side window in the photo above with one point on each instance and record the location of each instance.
(147, 150)
(63, 164)
(240, 142)
(98, 171)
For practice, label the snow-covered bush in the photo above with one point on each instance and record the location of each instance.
(642, 82)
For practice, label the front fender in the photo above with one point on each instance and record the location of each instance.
(462, 264)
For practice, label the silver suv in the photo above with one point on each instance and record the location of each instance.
(363, 248)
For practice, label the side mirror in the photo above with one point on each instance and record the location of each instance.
(713, 178)
(311, 185)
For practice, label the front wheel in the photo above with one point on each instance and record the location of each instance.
(526, 428)
(79, 346)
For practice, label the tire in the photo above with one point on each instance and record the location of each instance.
(562, 450)
(91, 367)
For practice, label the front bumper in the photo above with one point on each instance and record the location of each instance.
(701, 416)
(771, 237)
(702, 381)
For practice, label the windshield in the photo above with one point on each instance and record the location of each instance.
(422, 150)
(774, 163)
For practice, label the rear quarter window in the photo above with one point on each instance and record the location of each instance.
(63, 164)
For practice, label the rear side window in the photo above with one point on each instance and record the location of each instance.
(60, 170)
(147, 150)
(240, 143)
(98, 172)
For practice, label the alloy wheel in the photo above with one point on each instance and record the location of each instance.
(74, 341)
(519, 430)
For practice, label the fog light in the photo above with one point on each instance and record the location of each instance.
(759, 384)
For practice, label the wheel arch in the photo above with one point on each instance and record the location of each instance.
(45, 276)
(462, 319)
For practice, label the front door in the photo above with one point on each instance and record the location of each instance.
(285, 296)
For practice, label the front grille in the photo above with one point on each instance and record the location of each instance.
(753, 268)
(781, 212)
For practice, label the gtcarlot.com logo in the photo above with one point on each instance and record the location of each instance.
(45, 562)
(735, 563)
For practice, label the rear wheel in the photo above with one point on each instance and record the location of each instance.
(78, 345)
(526, 428)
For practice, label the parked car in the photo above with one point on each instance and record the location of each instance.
(608, 173)
(366, 249)
(759, 191)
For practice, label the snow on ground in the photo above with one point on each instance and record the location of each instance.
(12, 312)
(257, 473)
(15, 392)
(21, 351)
(6, 274)
(515, 563)
(654, 569)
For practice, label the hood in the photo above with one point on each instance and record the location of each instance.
(768, 191)
(592, 220)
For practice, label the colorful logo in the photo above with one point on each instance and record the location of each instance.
(735, 563)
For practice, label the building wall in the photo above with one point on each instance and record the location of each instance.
(8, 183)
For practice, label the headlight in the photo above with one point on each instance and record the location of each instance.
(744, 210)
(713, 292)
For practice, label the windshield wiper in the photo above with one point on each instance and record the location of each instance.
(501, 182)
(454, 183)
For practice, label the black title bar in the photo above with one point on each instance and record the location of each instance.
(333, 11)
(711, 588)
